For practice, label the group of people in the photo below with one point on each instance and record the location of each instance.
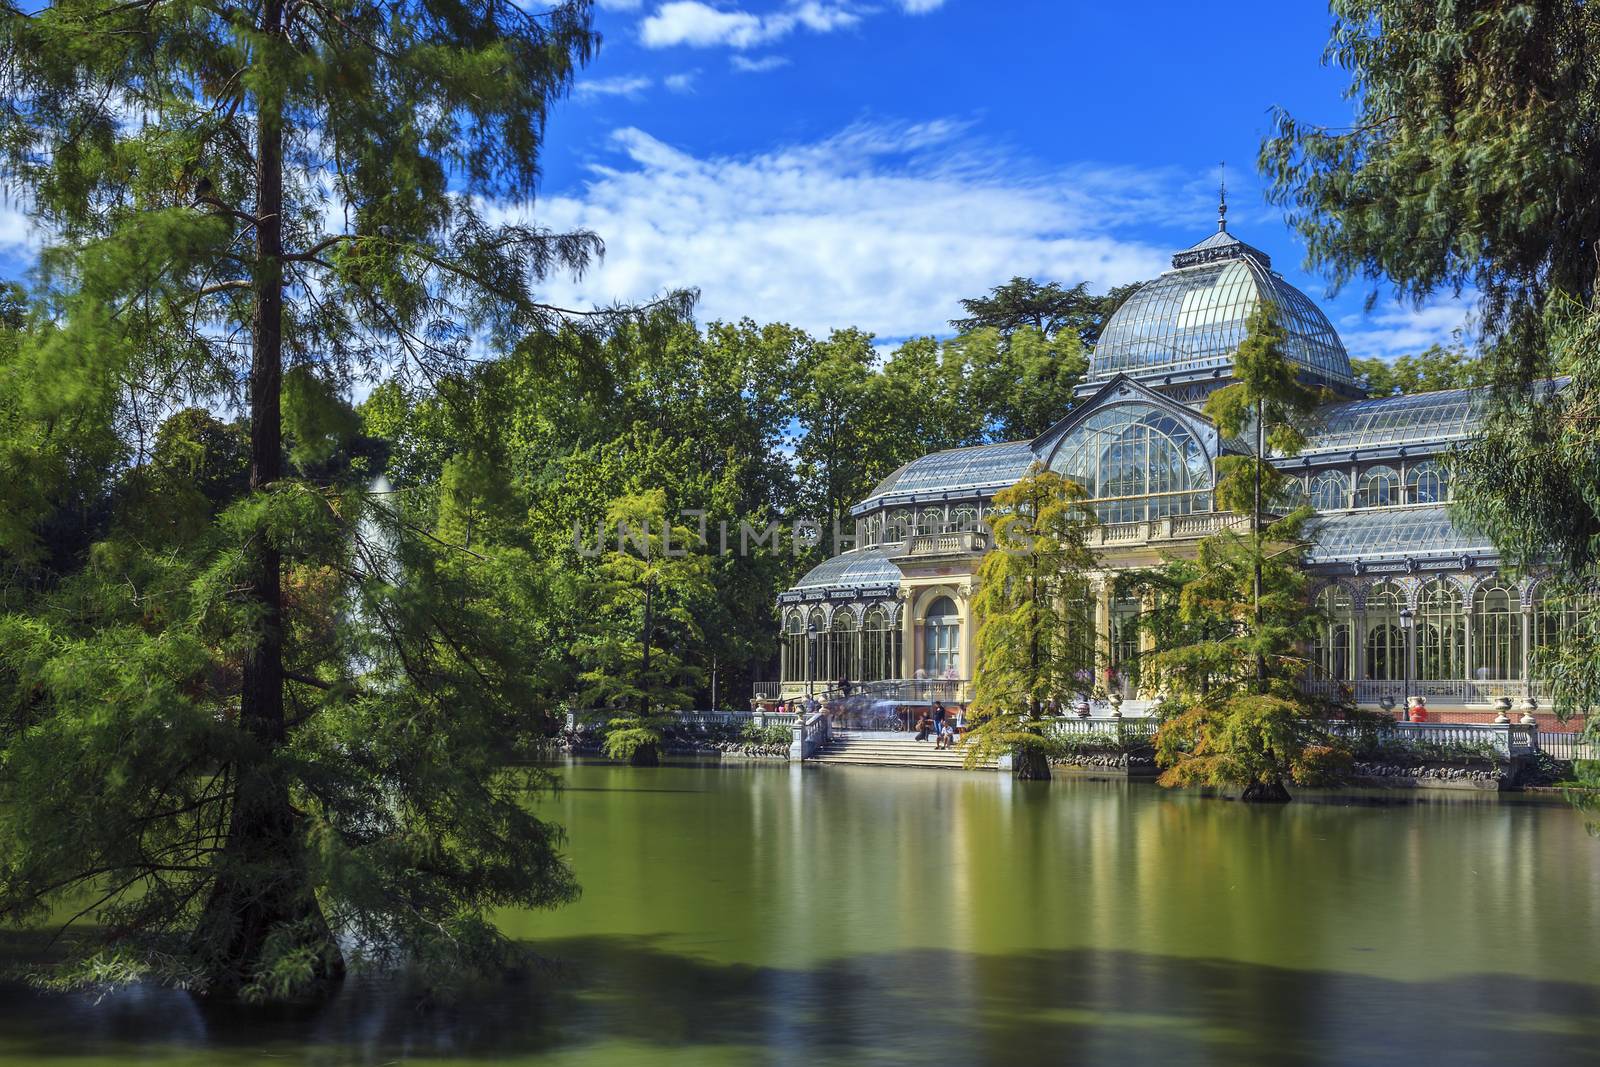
(945, 728)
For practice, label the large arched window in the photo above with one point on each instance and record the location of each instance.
(1496, 632)
(816, 646)
(1335, 644)
(1330, 491)
(941, 639)
(896, 526)
(930, 521)
(1426, 483)
(1138, 462)
(1380, 487)
(793, 668)
(1441, 632)
(1558, 614)
(1386, 639)
(880, 646)
(843, 650)
(964, 519)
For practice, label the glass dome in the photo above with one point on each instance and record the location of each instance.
(1136, 462)
(1192, 318)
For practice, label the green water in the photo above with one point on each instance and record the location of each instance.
(768, 914)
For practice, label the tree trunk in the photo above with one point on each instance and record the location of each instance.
(262, 885)
(1255, 533)
(1273, 792)
(1030, 764)
(646, 756)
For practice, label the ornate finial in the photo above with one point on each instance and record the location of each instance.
(1222, 199)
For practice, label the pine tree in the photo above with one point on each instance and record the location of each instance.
(1034, 633)
(281, 731)
(1237, 717)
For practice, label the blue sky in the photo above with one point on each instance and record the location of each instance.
(835, 163)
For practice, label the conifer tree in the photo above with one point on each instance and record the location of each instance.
(281, 734)
(1237, 716)
(1035, 633)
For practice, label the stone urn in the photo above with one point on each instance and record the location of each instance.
(1529, 706)
(1418, 711)
(1116, 705)
(1502, 711)
(1083, 709)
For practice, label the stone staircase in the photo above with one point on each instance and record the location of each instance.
(890, 750)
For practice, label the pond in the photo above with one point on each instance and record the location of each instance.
(764, 914)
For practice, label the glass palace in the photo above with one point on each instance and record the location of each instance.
(1415, 605)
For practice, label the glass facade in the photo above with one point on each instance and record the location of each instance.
(1411, 604)
(1194, 319)
(1137, 462)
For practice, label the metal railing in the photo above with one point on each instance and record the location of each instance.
(1452, 690)
(1568, 746)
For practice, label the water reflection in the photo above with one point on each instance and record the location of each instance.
(789, 915)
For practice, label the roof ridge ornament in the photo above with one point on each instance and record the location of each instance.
(1222, 197)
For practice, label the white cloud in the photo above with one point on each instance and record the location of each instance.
(699, 25)
(681, 83)
(623, 85)
(881, 227)
(634, 5)
(920, 7)
(758, 66)
(1401, 330)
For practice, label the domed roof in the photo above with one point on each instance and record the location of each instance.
(1192, 318)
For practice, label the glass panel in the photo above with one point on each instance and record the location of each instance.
(1330, 491)
(1138, 462)
(1380, 487)
(1441, 633)
(1386, 641)
(1496, 633)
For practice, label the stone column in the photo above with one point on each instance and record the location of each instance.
(908, 637)
(1102, 621)
(969, 631)
(1527, 651)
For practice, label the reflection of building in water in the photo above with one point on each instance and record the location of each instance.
(1415, 604)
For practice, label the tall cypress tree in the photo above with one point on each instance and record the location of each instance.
(256, 202)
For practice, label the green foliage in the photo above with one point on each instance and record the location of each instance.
(1034, 628)
(251, 715)
(1464, 165)
(771, 736)
(644, 600)
(1048, 309)
(1435, 368)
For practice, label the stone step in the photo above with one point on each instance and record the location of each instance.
(883, 752)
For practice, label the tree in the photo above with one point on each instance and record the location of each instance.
(1468, 164)
(1035, 632)
(1235, 716)
(1240, 718)
(1437, 367)
(277, 776)
(1047, 309)
(1016, 385)
(645, 602)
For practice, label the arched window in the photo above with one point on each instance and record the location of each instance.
(1496, 632)
(1441, 632)
(1335, 632)
(1330, 491)
(1078, 637)
(1386, 639)
(930, 521)
(816, 640)
(1138, 461)
(1427, 483)
(793, 667)
(896, 525)
(880, 646)
(941, 639)
(1380, 487)
(844, 662)
(964, 519)
(1558, 614)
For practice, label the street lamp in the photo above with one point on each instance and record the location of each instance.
(1408, 622)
